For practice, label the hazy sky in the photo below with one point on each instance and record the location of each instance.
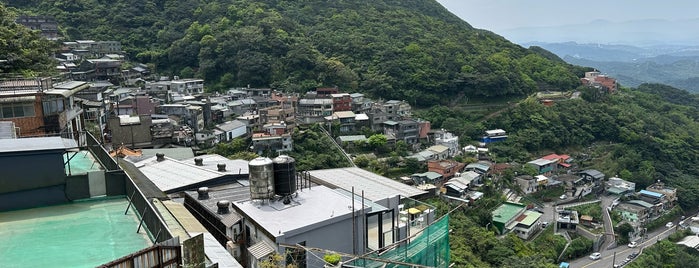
(495, 15)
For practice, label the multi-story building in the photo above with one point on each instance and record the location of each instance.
(669, 195)
(397, 110)
(187, 86)
(513, 217)
(360, 105)
(405, 130)
(39, 107)
(341, 102)
(264, 141)
(600, 81)
(345, 120)
(446, 168)
(314, 110)
(282, 113)
(46, 24)
(448, 140)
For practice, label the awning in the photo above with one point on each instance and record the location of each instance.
(260, 250)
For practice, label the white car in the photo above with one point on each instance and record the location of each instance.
(633, 244)
(563, 196)
(595, 256)
(669, 225)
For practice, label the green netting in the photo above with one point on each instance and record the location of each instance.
(429, 248)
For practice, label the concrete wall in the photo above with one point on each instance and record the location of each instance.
(123, 134)
(46, 196)
(336, 236)
(31, 170)
(34, 179)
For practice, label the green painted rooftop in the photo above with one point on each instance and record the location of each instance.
(506, 211)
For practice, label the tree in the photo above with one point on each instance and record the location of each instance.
(23, 51)
(377, 141)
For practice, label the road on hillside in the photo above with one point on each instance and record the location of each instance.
(608, 255)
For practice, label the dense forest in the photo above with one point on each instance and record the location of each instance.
(412, 50)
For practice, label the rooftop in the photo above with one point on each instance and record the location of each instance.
(530, 217)
(375, 187)
(506, 212)
(652, 194)
(36, 144)
(313, 208)
(81, 234)
(172, 175)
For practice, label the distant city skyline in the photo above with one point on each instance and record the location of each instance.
(499, 15)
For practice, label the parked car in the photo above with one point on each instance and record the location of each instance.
(669, 225)
(563, 196)
(633, 255)
(633, 244)
(595, 256)
(544, 224)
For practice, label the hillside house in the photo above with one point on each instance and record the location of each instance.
(38, 107)
(446, 168)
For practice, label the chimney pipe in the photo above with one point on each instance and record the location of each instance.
(203, 193)
(223, 206)
(221, 167)
(159, 157)
(198, 161)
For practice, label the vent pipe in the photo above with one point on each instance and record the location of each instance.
(198, 161)
(203, 193)
(221, 167)
(159, 157)
(223, 206)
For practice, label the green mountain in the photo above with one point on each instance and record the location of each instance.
(398, 49)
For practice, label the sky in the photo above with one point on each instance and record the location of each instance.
(497, 15)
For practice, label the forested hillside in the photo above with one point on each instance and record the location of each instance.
(22, 52)
(395, 49)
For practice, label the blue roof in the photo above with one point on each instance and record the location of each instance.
(653, 194)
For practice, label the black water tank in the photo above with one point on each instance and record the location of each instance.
(284, 175)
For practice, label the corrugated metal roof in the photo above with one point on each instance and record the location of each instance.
(531, 217)
(352, 138)
(211, 161)
(260, 250)
(649, 193)
(375, 187)
(171, 174)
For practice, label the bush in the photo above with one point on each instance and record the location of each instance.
(332, 259)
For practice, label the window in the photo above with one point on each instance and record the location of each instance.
(53, 105)
(15, 110)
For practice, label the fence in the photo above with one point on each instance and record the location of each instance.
(94, 146)
(154, 225)
(166, 254)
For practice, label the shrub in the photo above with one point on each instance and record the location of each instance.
(333, 259)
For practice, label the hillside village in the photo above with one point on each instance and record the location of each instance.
(151, 139)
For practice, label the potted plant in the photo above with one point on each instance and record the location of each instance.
(332, 260)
